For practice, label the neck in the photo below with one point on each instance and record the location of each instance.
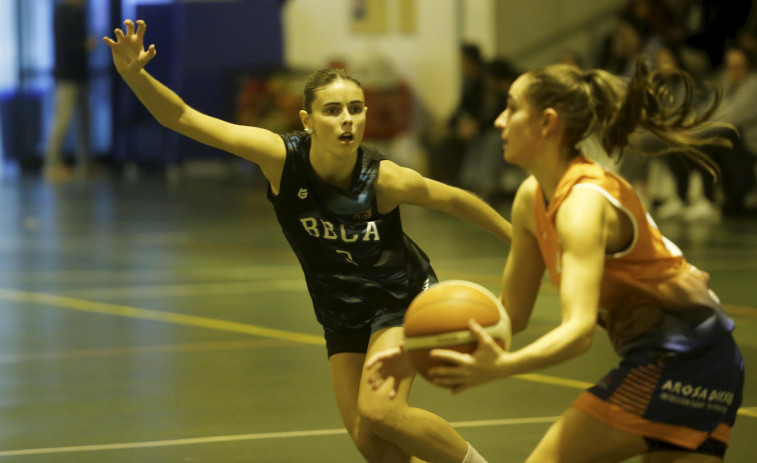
(332, 169)
(549, 173)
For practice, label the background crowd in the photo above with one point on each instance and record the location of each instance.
(713, 41)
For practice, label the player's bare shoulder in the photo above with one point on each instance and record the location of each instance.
(395, 184)
(524, 196)
(523, 204)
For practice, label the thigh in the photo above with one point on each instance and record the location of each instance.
(577, 437)
(346, 370)
(398, 372)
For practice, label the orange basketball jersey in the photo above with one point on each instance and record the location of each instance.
(650, 296)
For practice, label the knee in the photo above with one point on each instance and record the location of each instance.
(382, 416)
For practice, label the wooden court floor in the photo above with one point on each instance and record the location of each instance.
(142, 322)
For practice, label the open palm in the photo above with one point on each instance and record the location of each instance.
(129, 55)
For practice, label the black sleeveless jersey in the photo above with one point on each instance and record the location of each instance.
(358, 264)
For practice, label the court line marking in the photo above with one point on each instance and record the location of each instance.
(194, 289)
(150, 349)
(157, 315)
(253, 287)
(236, 327)
(256, 436)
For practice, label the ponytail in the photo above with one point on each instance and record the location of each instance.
(598, 102)
(649, 103)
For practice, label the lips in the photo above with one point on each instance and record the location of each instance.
(346, 136)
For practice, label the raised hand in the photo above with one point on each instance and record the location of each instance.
(462, 371)
(129, 55)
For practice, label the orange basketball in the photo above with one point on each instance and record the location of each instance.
(438, 318)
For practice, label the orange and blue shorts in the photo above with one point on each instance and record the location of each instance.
(685, 401)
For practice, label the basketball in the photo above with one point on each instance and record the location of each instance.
(438, 318)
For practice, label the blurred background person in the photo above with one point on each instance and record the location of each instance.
(739, 107)
(447, 146)
(484, 170)
(71, 73)
(683, 203)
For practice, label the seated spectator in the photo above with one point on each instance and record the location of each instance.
(711, 24)
(446, 149)
(683, 204)
(739, 107)
(631, 37)
(484, 169)
(735, 165)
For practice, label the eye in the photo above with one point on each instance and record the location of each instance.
(356, 109)
(331, 111)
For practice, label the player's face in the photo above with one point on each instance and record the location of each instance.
(518, 124)
(337, 120)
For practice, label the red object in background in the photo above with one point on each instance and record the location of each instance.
(271, 103)
(390, 110)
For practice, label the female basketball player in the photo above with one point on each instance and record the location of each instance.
(675, 394)
(337, 203)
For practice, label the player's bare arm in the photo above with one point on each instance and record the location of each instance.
(258, 145)
(525, 267)
(581, 227)
(582, 230)
(399, 185)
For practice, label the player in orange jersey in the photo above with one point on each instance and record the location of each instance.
(678, 387)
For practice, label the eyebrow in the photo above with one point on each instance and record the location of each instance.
(339, 103)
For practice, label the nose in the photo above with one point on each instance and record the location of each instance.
(346, 117)
(501, 121)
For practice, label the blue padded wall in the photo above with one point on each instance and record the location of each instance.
(201, 45)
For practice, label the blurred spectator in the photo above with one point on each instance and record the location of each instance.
(654, 13)
(683, 203)
(736, 164)
(632, 36)
(747, 40)
(446, 149)
(484, 166)
(739, 107)
(71, 73)
(711, 24)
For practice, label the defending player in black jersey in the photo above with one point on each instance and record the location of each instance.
(337, 203)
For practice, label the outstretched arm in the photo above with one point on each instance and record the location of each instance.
(258, 145)
(399, 185)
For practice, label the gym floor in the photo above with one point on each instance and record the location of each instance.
(155, 323)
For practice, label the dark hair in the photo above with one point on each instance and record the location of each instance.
(472, 52)
(323, 78)
(598, 102)
(502, 69)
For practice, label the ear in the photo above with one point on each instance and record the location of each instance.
(305, 118)
(549, 121)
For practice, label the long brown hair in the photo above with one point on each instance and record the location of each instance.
(598, 102)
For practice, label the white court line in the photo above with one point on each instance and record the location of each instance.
(258, 436)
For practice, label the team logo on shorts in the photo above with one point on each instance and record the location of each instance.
(303, 193)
